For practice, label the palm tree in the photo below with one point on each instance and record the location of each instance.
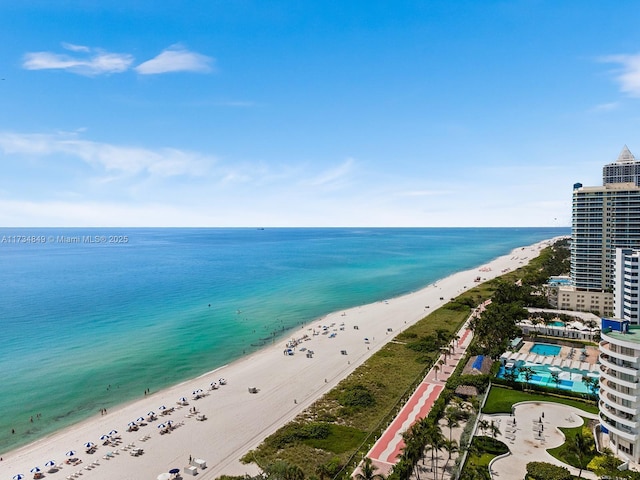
(450, 446)
(528, 373)
(451, 416)
(494, 430)
(435, 440)
(579, 447)
(484, 426)
(367, 471)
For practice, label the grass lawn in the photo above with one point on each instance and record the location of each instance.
(563, 452)
(501, 399)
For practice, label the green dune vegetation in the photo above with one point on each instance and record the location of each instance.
(330, 438)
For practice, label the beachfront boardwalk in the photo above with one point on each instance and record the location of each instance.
(384, 453)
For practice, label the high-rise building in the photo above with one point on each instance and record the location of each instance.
(604, 218)
(624, 170)
(626, 287)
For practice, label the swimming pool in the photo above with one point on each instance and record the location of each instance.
(568, 379)
(545, 349)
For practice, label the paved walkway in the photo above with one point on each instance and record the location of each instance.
(384, 453)
(530, 432)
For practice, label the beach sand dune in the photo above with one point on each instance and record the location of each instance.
(237, 420)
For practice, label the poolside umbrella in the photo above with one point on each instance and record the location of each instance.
(35, 469)
(18, 477)
(71, 453)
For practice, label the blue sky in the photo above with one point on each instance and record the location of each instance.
(325, 113)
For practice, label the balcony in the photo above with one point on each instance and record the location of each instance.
(622, 419)
(606, 347)
(620, 430)
(612, 376)
(616, 402)
(612, 389)
(614, 364)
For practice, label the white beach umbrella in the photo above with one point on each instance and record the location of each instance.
(18, 477)
(113, 432)
(162, 425)
(140, 419)
(162, 407)
(89, 445)
(183, 399)
(104, 437)
(71, 453)
(50, 463)
(35, 470)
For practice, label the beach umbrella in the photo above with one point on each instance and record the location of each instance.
(183, 399)
(113, 432)
(162, 425)
(140, 419)
(35, 469)
(50, 463)
(169, 422)
(162, 407)
(71, 453)
(131, 424)
(174, 471)
(18, 477)
(89, 445)
(104, 437)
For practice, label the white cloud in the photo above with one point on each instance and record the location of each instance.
(335, 176)
(628, 76)
(124, 160)
(176, 59)
(75, 48)
(606, 107)
(87, 61)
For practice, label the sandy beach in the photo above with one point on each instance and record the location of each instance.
(236, 420)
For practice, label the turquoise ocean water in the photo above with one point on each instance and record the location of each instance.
(164, 305)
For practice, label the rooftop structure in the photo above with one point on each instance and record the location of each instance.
(626, 169)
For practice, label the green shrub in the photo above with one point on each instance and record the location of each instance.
(547, 471)
(357, 396)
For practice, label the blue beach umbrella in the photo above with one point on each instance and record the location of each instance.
(35, 469)
(140, 419)
(104, 437)
(89, 445)
(18, 477)
(131, 424)
(50, 463)
(71, 453)
(162, 425)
